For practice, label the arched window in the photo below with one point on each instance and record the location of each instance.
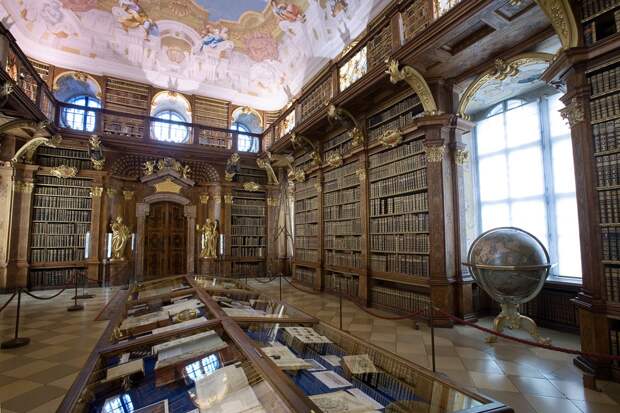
(245, 143)
(81, 119)
(167, 131)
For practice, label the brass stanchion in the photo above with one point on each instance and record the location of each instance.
(340, 301)
(16, 341)
(280, 286)
(432, 322)
(84, 295)
(76, 306)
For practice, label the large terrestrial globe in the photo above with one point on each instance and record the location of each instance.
(510, 264)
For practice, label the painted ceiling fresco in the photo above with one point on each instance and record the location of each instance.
(252, 52)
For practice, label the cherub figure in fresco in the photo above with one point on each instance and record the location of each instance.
(337, 6)
(287, 12)
(213, 35)
(131, 15)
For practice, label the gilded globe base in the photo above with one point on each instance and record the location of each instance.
(510, 317)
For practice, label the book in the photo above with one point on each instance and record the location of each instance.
(332, 379)
(186, 348)
(125, 369)
(341, 401)
(358, 364)
(285, 359)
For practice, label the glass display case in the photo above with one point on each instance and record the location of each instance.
(207, 359)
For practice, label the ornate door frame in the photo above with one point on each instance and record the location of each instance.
(142, 211)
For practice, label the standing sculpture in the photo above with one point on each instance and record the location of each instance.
(120, 236)
(210, 235)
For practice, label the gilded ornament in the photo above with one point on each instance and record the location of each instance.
(111, 192)
(272, 202)
(217, 199)
(563, 21)
(120, 236)
(316, 158)
(504, 70)
(573, 113)
(24, 187)
(232, 167)
(128, 195)
(64, 171)
(434, 154)
(228, 199)
(296, 175)
(265, 163)
(251, 186)
(27, 151)
(210, 235)
(148, 168)
(96, 191)
(416, 81)
(334, 159)
(7, 89)
(391, 138)
(318, 188)
(204, 199)
(461, 156)
(346, 119)
(185, 315)
(361, 174)
(357, 137)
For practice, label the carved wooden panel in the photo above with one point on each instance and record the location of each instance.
(130, 166)
(165, 241)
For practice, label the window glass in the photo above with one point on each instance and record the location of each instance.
(118, 404)
(81, 119)
(202, 368)
(167, 131)
(490, 135)
(526, 172)
(522, 125)
(493, 178)
(245, 143)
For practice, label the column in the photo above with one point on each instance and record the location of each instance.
(190, 214)
(142, 211)
(96, 228)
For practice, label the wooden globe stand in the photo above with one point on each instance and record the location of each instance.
(511, 318)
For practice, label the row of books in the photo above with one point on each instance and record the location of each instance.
(611, 243)
(404, 264)
(59, 229)
(302, 159)
(50, 278)
(341, 197)
(347, 211)
(306, 230)
(248, 251)
(306, 204)
(592, 7)
(344, 182)
(398, 167)
(336, 141)
(57, 254)
(398, 205)
(248, 230)
(307, 217)
(248, 241)
(253, 269)
(248, 210)
(406, 149)
(403, 300)
(67, 215)
(614, 344)
(343, 243)
(254, 221)
(45, 240)
(400, 107)
(399, 224)
(53, 162)
(609, 206)
(304, 275)
(612, 283)
(353, 227)
(307, 255)
(343, 259)
(306, 242)
(58, 202)
(52, 180)
(402, 122)
(605, 81)
(399, 184)
(606, 135)
(338, 173)
(608, 170)
(413, 243)
(604, 25)
(306, 189)
(59, 191)
(605, 107)
(348, 285)
(249, 202)
(62, 153)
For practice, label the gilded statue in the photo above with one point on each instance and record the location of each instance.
(232, 167)
(149, 168)
(210, 235)
(186, 171)
(120, 236)
(95, 151)
(265, 163)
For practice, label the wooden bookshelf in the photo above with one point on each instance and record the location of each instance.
(307, 221)
(48, 156)
(249, 173)
(600, 19)
(343, 283)
(214, 113)
(398, 115)
(61, 219)
(248, 232)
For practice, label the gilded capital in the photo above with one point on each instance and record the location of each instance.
(24, 187)
(128, 195)
(228, 199)
(204, 199)
(96, 191)
(434, 154)
(111, 192)
(573, 113)
(361, 174)
(461, 156)
(272, 201)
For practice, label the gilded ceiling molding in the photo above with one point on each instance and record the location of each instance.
(501, 70)
(417, 83)
(563, 21)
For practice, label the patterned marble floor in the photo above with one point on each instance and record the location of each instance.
(35, 378)
(528, 379)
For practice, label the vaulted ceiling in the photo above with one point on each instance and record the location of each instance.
(252, 52)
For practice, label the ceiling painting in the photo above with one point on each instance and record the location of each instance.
(253, 52)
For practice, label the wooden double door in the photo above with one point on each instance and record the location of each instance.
(165, 241)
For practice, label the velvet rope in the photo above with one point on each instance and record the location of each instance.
(8, 301)
(301, 289)
(44, 298)
(414, 316)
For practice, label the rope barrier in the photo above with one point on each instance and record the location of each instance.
(301, 289)
(528, 342)
(8, 301)
(44, 298)
(413, 316)
(265, 282)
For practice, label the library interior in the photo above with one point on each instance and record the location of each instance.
(212, 206)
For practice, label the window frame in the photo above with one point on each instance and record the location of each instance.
(85, 110)
(168, 125)
(549, 197)
(243, 130)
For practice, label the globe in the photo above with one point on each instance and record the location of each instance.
(510, 264)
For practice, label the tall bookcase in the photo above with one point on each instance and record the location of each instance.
(61, 219)
(48, 156)
(248, 232)
(600, 18)
(307, 231)
(126, 97)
